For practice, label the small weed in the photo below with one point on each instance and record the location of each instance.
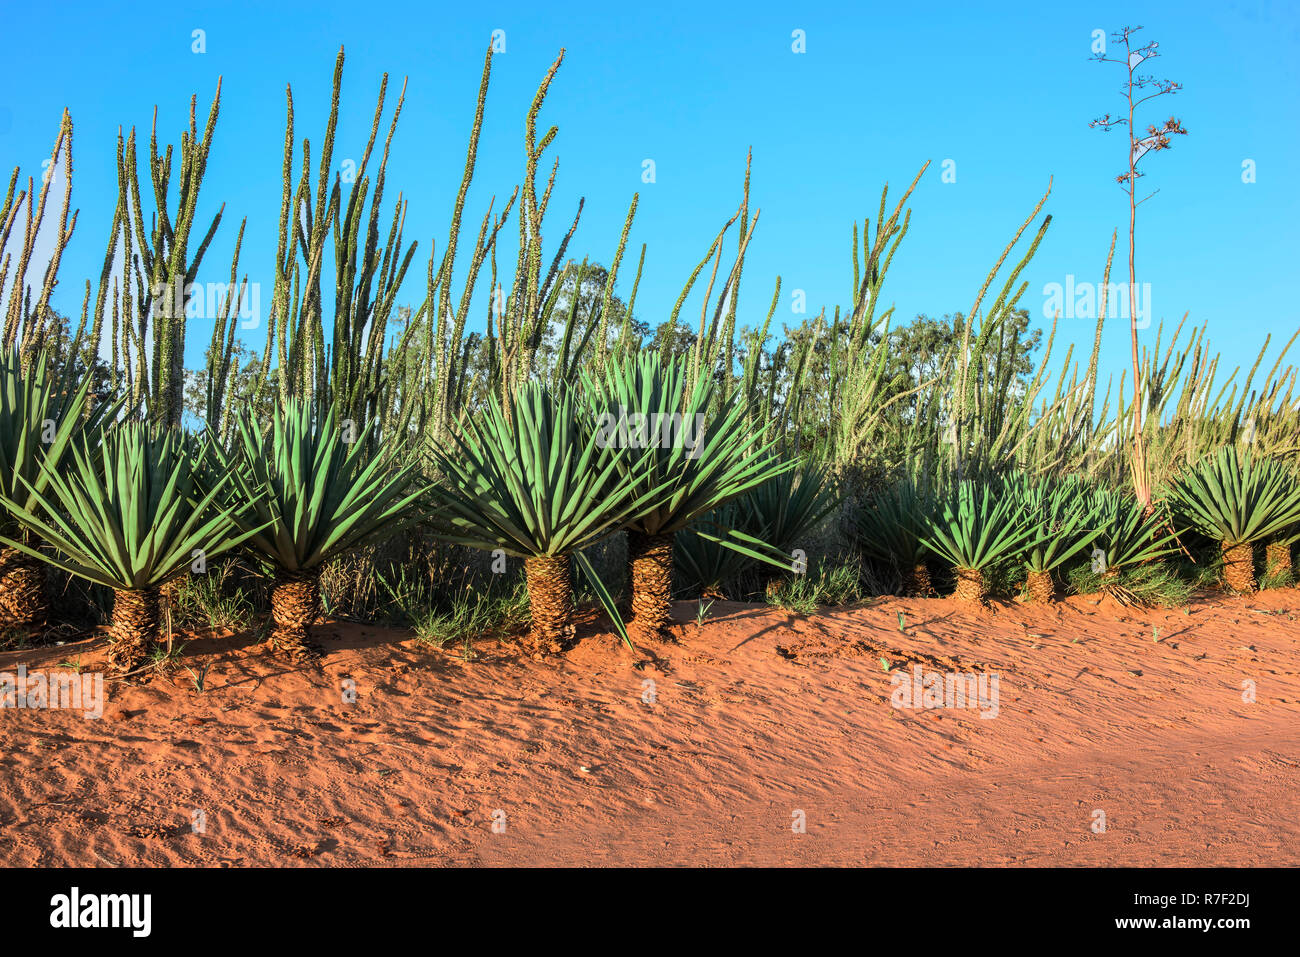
(211, 600)
(702, 614)
(14, 639)
(470, 614)
(164, 660)
(1150, 584)
(834, 584)
(1274, 577)
(199, 678)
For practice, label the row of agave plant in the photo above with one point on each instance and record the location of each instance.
(848, 392)
(542, 475)
(1234, 500)
(539, 475)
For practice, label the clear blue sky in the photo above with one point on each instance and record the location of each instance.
(1005, 92)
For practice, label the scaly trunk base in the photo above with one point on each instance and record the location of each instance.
(650, 572)
(550, 604)
(1277, 559)
(916, 581)
(295, 606)
(24, 598)
(1041, 587)
(133, 630)
(970, 585)
(1239, 567)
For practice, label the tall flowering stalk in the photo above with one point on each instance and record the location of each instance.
(1155, 139)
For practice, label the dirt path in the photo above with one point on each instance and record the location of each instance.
(757, 716)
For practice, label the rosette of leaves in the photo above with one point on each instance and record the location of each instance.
(307, 489)
(130, 514)
(42, 414)
(892, 531)
(1129, 535)
(697, 451)
(532, 478)
(765, 524)
(978, 526)
(1238, 500)
(1062, 512)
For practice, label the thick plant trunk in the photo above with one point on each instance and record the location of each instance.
(650, 572)
(1277, 557)
(1041, 587)
(917, 581)
(970, 585)
(24, 599)
(133, 629)
(1239, 567)
(550, 603)
(295, 605)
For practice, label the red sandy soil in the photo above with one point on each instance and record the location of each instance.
(755, 715)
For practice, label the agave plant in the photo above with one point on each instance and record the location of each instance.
(787, 507)
(1129, 534)
(703, 564)
(41, 414)
(128, 515)
(1062, 513)
(892, 530)
(306, 489)
(1237, 501)
(533, 479)
(764, 524)
(687, 470)
(979, 526)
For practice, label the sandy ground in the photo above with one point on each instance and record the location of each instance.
(700, 752)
